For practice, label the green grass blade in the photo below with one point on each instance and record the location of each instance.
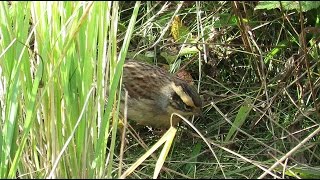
(240, 118)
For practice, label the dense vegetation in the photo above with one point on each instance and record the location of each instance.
(256, 66)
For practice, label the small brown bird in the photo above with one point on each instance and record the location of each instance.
(154, 94)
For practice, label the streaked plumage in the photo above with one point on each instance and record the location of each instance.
(154, 95)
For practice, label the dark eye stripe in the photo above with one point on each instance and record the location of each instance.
(193, 94)
(179, 104)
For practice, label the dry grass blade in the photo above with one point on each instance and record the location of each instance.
(290, 152)
(123, 135)
(168, 136)
(164, 152)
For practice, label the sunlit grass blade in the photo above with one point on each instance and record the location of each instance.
(165, 150)
(72, 134)
(118, 72)
(27, 125)
(167, 137)
(15, 61)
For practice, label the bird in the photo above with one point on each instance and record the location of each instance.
(154, 94)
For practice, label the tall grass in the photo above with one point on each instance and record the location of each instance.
(54, 120)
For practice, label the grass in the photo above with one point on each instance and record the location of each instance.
(256, 69)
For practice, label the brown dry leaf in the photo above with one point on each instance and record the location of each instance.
(185, 75)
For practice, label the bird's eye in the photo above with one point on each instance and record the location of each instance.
(179, 104)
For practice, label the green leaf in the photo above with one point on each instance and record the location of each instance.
(276, 50)
(267, 5)
(190, 168)
(225, 20)
(303, 171)
(288, 5)
(240, 119)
